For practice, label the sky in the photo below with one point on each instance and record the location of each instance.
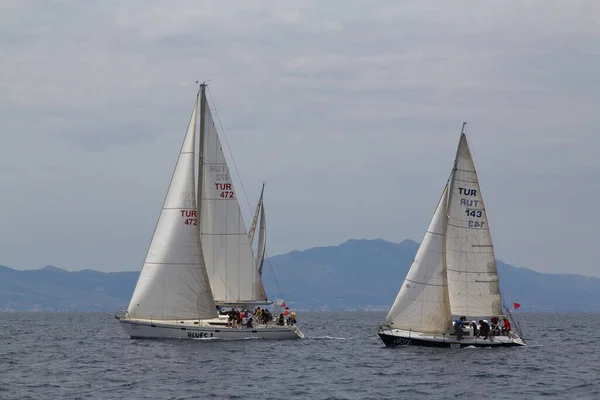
(350, 111)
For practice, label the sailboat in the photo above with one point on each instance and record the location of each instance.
(200, 253)
(453, 276)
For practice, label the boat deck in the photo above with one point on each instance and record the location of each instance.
(397, 337)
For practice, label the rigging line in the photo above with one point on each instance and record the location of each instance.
(273, 273)
(229, 149)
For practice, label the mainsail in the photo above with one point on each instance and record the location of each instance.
(173, 284)
(422, 302)
(473, 285)
(229, 258)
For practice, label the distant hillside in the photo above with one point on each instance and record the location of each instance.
(53, 288)
(357, 274)
(368, 274)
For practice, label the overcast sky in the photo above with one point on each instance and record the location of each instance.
(350, 110)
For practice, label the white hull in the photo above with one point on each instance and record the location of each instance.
(398, 337)
(200, 330)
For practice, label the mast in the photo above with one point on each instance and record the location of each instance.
(447, 215)
(202, 94)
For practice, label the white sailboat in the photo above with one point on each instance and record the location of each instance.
(200, 254)
(453, 274)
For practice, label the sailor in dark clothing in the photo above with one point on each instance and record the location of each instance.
(484, 329)
(266, 316)
(233, 314)
(474, 327)
(249, 321)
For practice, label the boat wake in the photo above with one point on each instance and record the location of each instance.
(326, 338)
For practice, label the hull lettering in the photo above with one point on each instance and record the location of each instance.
(199, 334)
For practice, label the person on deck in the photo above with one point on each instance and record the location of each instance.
(458, 329)
(232, 317)
(240, 318)
(484, 329)
(506, 327)
(280, 320)
(249, 320)
(495, 328)
(474, 327)
(266, 314)
(259, 314)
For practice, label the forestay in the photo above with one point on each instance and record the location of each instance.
(472, 276)
(173, 284)
(422, 302)
(227, 251)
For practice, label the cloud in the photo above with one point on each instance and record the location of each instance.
(350, 111)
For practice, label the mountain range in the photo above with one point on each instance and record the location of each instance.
(358, 274)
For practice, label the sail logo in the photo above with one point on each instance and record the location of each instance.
(467, 192)
(469, 202)
(219, 168)
(188, 199)
(221, 172)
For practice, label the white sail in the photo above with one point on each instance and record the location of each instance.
(252, 229)
(173, 284)
(422, 302)
(229, 257)
(473, 285)
(262, 239)
(262, 247)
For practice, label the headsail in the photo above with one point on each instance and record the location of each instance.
(262, 247)
(262, 237)
(252, 229)
(473, 285)
(422, 302)
(173, 284)
(229, 258)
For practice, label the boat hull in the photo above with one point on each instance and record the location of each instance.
(397, 337)
(141, 329)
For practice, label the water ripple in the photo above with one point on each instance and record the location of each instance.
(83, 356)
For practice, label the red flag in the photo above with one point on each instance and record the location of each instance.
(516, 305)
(283, 304)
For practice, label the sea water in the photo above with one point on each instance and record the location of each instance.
(88, 356)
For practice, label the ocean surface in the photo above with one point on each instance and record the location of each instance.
(88, 356)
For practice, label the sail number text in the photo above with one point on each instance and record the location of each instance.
(471, 203)
(476, 224)
(467, 192)
(226, 190)
(189, 217)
